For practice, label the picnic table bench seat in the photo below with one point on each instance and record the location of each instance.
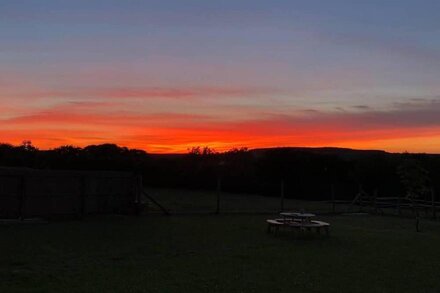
(285, 220)
(275, 224)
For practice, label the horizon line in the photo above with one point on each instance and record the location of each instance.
(223, 150)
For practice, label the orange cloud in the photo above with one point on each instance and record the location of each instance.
(86, 123)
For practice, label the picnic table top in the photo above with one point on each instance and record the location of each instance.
(297, 215)
(310, 224)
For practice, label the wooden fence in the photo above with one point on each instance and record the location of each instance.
(28, 193)
(399, 205)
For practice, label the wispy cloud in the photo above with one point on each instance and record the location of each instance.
(389, 45)
(141, 92)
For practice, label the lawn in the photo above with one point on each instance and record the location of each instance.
(203, 201)
(224, 253)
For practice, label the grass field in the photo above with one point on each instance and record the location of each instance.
(225, 253)
(190, 201)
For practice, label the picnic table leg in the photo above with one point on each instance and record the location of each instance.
(297, 231)
(303, 232)
(272, 228)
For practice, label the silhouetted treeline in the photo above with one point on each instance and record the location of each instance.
(306, 172)
(93, 157)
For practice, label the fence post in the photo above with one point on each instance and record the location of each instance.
(219, 190)
(139, 191)
(332, 191)
(282, 195)
(375, 200)
(82, 196)
(21, 196)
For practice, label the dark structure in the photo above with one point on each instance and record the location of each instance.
(26, 193)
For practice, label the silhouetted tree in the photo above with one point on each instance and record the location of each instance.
(415, 180)
(202, 151)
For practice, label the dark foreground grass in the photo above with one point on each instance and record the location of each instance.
(218, 254)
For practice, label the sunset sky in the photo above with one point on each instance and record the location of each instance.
(168, 75)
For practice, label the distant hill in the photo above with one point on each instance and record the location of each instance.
(341, 152)
(345, 153)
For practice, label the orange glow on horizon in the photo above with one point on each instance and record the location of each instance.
(180, 140)
(411, 126)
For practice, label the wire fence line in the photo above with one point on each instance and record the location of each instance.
(181, 201)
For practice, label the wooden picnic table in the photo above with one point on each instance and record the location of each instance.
(303, 217)
(297, 221)
(297, 224)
